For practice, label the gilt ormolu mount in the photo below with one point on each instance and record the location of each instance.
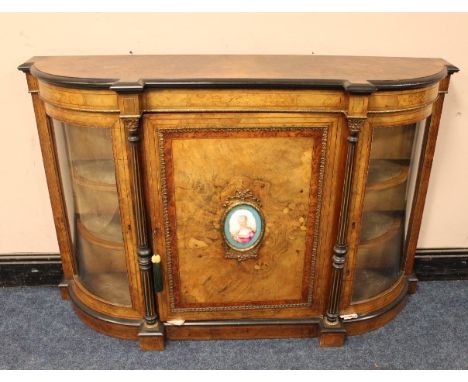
(243, 226)
(281, 196)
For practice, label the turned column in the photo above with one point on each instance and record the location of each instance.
(332, 332)
(152, 331)
(143, 249)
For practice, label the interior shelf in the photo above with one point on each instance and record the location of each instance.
(385, 173)
(97, 254)
(381, 232)
(101, 230)
(96, 196)
(98, 174)
(386, 185)
(377, 226)
(370, 283)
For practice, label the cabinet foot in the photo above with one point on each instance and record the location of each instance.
(331, 335)
(63, 288)
(412, 284)
(152, 337)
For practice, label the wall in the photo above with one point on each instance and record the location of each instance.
(25, 218)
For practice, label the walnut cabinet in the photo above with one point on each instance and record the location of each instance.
(202, 197)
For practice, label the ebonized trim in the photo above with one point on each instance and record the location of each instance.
(70, 82)
(25, 67)
(236, 83)
(101, 316)
(414, 83)
(452, 69)
(250, 322)
(29, 269)
(379, 312)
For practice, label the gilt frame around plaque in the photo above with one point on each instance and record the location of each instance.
(242, 226)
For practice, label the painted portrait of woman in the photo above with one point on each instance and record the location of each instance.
(242, 226)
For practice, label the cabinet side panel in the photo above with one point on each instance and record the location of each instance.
(47, 143)
(422, 182)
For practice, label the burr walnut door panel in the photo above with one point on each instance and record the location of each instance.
(243, 210)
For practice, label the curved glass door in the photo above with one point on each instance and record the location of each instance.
(391, 179)
(88, 178)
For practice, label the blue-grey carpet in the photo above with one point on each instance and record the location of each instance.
(38, 330)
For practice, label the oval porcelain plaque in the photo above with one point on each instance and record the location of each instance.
(243, 227)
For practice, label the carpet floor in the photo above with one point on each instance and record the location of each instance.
(38, 330)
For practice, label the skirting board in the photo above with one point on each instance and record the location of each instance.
(441, 264)
(32, 269)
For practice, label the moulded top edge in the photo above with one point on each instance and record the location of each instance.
(354, 74)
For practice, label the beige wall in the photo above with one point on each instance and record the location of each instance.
(25, 218)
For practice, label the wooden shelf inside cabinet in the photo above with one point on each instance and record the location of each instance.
(380, 232)
(386, 185)
(98, 255)
(98, 174)
(385, 173)
(377, 267)
(379, 226)
(222, 191)
(103, 268)
(371, 282)
(96, 198)
(101, 231)
(109, 236)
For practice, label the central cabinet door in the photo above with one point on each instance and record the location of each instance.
(243, 209)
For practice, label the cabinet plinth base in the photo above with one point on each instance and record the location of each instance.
(332, 335)
(112, 326)
(243, 330)
(152, 337)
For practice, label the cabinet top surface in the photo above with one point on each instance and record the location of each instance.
(131, 73)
